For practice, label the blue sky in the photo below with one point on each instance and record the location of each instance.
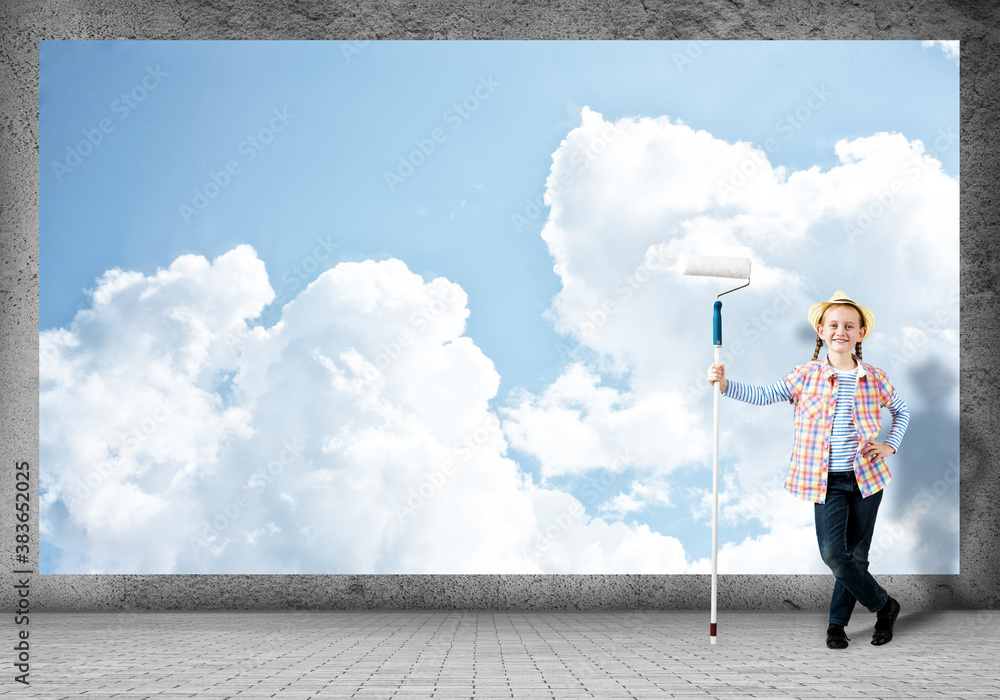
(310, 152)
(358, 108)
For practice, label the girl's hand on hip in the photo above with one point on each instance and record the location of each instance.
(717, 373)
(874, 449)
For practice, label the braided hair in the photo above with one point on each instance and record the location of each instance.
(819, 341)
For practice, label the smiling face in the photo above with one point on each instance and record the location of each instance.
(841, 329)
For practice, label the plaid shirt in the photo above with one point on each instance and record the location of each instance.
(812, 389)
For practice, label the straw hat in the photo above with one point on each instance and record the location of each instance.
(816, 310)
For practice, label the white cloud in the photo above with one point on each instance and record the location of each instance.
(951, 48)
(577, 425)
(641, 494)
(791, 551)
(354, 435)
(627, 198)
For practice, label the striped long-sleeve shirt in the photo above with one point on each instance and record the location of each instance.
(813, 389)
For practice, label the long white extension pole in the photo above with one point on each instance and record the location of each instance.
(736, 268)
(717, 391)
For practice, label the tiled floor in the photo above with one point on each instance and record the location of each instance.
(449, 654)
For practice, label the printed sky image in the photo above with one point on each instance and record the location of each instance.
(414, 307)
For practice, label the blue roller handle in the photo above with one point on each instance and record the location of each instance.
(717, 325)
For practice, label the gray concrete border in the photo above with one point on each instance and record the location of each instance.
(25, 23)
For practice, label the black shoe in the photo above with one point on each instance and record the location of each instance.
(836, 638)
(884, 622)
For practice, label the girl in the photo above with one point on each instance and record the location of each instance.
(836, 462)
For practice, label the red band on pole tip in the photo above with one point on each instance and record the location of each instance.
(712, 626)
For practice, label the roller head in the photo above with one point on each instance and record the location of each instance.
(714, 266)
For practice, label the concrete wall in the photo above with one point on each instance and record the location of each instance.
(26, 23)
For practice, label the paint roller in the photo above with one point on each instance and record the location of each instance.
(732, 268)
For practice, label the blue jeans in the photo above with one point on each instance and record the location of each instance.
(844, 528)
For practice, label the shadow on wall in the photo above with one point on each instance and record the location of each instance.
(926, 473)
